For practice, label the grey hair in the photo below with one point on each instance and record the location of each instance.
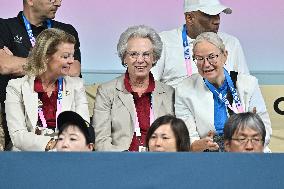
(212, 38)
(240, 121)
(140, 31)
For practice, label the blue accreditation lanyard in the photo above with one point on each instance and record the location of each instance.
(30, 31)
(59, 98)
(186, 51)
(236, 106)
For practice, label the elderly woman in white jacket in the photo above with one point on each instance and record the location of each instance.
(206, 100)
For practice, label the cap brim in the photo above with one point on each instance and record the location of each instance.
(214, 10)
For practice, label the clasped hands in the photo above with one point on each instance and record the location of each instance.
(205, 143)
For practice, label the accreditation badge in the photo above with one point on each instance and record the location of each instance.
(142, 149)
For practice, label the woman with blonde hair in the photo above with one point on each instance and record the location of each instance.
(34, 101)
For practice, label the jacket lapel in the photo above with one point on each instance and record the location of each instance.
(67, 95)
(209, 108)
(30, 99)
(125, 97)
(245, 90)
(157, 99)
(207, 104)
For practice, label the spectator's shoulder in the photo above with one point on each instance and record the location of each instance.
(171, 36)
(247, 79)
(191, 85)
(66, 27)
(11, 23)
(9, 20)
(116, 83)
(164, 87)
(18, 82)
(72, 79)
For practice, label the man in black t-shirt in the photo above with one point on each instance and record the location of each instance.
(16, 41)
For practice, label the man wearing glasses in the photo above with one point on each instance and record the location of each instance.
(176, 61)
(244, 132)
(18, 36)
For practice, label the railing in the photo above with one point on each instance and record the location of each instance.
(141, 170)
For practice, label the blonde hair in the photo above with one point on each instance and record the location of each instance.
(46, 45)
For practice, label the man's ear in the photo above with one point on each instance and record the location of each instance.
(30, 2)
(225, 56)
(189, 17)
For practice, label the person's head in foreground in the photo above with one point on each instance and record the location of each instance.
(244, 132)
(75, 134)
(168, 134)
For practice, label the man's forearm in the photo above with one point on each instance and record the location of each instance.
(11, 65)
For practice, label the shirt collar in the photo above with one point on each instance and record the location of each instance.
(127, 84)
(38, 85)
(19, 16)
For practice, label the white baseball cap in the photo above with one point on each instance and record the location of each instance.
(211, 7)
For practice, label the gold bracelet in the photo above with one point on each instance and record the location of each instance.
(49, 144)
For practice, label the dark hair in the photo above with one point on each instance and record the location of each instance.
(239, 121)
(178, 127)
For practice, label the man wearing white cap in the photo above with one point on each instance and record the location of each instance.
(201, 16)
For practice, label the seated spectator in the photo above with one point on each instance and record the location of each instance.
(126, 106)
(34, 101)
(168, 134)
(205, 100)
(244, 132)
(74, 133)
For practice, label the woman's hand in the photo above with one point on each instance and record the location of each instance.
(205, 144)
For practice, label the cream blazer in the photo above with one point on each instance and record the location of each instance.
(195, 105)
(114, 113)
(21, 107)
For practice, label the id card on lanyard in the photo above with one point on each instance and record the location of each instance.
(59, 105)
(137, 127)
(236, 106)
(30, 31)
(186, 51)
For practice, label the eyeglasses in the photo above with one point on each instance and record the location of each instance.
(211, 58)
(243, 141)
(135, 55)
(53, 1)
